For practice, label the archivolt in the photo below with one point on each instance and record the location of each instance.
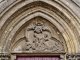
(20, 13)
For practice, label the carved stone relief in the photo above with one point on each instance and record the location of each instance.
(40, 38)
(4, 56)
(73, 56)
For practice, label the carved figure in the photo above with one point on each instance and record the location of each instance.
(41, 35)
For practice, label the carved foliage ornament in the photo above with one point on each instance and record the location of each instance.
(73, 56)
(4, 56)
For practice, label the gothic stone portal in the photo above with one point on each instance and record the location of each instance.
(40, 36)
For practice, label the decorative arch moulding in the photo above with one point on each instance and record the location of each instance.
(38, 37)
(44, 26)
(39, 13)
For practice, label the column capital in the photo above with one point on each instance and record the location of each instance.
(4, 56)
(75, 56)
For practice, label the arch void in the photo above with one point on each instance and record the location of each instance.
(14, 18)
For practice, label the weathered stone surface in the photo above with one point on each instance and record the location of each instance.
(56, 30)
(4, 56)
(77, 2)
(39, 38)
(73, 56)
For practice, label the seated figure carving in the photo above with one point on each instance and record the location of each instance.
(41, 36)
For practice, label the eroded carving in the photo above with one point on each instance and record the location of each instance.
(75, 56)
(41, 37)
(4, 56)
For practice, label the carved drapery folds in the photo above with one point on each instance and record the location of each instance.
(40, 38)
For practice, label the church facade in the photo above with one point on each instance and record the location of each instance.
(40, 29)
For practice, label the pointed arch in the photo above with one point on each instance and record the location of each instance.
(17, 14)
